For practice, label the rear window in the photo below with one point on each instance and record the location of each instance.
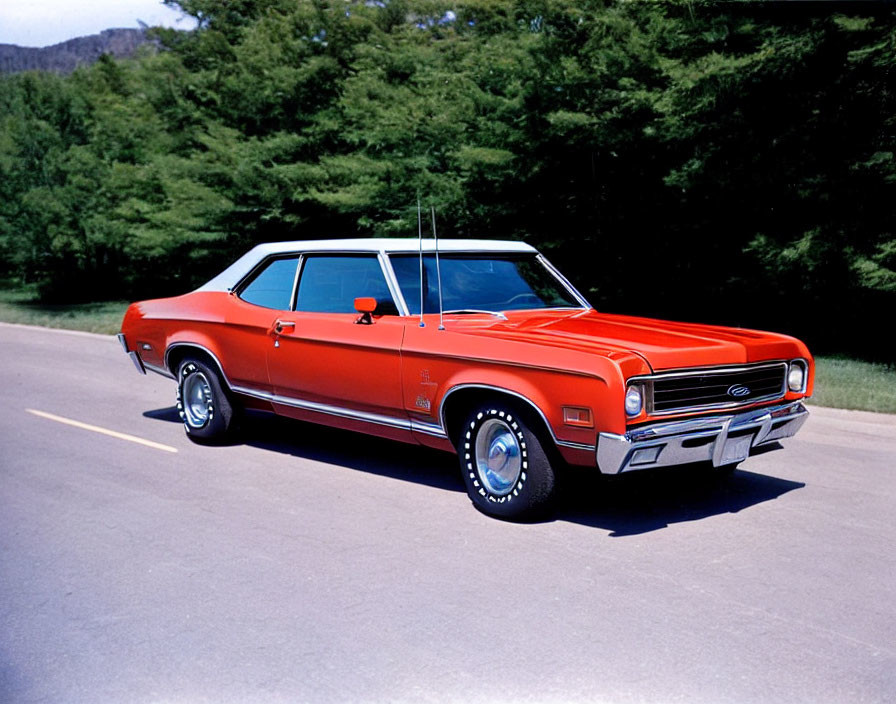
(272, 286)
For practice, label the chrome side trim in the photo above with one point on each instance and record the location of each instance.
(159, 370)
(720, 439)
(433, 429)
(255, 393)
(575, 445)
(428, 429)
(376, 418)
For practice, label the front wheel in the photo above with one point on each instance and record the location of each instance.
(203, 405)
(504, 465)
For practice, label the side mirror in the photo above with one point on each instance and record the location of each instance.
(365, 306)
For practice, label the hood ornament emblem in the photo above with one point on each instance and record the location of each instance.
(738, 391)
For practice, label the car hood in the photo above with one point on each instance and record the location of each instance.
(662, 344)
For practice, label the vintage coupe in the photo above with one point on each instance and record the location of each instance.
(516, 373)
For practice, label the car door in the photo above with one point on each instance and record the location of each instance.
(259, 302)
(329, 364)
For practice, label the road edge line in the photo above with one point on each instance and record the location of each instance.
(101, 431)
(67, 331)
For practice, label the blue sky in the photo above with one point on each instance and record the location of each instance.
(45, 22)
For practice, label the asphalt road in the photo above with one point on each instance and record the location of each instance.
(310, 565)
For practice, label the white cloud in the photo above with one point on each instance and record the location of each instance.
(46, 22)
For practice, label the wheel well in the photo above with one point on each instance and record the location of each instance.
(462, 402)
(179, 353)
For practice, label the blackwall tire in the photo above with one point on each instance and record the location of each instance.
(203, 405)
(504, 465)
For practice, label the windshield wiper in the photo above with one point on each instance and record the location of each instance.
(468, 311)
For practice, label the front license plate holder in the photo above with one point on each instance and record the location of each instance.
(736, 449)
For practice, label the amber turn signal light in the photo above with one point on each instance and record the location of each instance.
(579, 417)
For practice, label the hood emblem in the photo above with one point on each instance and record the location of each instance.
(738, 391)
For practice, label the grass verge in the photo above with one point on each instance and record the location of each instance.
(17, 306)
(860, 386)
(839, 383)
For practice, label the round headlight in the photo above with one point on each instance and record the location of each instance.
(633, 400)
(796, 377)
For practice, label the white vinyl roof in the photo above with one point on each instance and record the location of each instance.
(229, 278)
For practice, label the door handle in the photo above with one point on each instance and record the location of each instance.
(280, 324)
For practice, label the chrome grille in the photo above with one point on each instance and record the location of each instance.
(717, 388)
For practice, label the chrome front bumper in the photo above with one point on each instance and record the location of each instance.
(719, 439)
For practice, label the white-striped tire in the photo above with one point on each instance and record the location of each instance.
(533, 490)
(219, 425)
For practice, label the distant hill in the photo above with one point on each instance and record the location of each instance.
(68, 55)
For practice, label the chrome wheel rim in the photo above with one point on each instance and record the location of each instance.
(498, 457)
(197, 400)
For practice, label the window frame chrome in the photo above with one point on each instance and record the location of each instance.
(392, 282)
(260, 266)
(302, 257)
(562, 280)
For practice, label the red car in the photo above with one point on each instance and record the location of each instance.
(508, 365)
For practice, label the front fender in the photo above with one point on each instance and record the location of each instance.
(442, 389)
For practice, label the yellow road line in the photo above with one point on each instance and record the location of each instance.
(102, 431)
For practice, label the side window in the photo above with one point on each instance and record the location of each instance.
(330, 284)
(272, 287)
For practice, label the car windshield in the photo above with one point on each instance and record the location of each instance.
(480, 283)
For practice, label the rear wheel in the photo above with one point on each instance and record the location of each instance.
(202, 403)
(504, 465)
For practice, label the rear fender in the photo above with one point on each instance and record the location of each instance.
(179, 346)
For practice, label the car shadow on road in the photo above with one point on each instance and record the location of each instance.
(320, 443)
(649, 500)
(629, 504)
(170, 414)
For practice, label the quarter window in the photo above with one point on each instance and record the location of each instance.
(330, 284)
(272, 286)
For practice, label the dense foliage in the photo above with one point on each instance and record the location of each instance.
(726, 162)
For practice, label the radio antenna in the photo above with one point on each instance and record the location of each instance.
(438, 268)
(420, 239)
